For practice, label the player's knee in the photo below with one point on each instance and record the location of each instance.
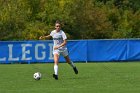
(67, 59)
(55, 62)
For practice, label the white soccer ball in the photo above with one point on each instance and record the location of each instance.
(37, 76)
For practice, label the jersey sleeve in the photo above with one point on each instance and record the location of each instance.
(64, 36)
(51, 34)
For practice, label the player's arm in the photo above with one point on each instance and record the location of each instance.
(63, 44)
(45, 37)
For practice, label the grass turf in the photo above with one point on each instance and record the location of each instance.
(92, 78)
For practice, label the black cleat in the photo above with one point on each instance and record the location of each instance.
(75, 70)
(55, 76)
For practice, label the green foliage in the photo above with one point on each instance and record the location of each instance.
(81, 19)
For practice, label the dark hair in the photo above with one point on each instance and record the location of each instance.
(58, 22)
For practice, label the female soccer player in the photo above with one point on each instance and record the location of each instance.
(59, 48)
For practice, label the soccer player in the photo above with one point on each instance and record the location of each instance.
(59, 48)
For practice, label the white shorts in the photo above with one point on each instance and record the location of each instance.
(63, 52)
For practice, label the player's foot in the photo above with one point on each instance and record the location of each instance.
(75, 70)
(55, 77)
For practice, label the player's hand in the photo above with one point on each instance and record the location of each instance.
(56, 47)
(41, 37)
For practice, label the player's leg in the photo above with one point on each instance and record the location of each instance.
(66, 56)
(69, 61)
(56, 61)
(71, 64)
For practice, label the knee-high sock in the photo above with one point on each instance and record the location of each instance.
(56, 69)
(72, 64)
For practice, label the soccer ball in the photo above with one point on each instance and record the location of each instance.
(37, 76)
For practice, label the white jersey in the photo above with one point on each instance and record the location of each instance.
(58, 38)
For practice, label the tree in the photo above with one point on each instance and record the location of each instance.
(81, 19)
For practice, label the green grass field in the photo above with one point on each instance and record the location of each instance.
(92, 78)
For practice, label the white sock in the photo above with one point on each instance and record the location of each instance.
(56, 69)
(72, 64)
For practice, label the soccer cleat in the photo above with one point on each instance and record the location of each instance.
(75, 70)
(55, 76)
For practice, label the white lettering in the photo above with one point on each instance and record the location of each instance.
(24, 52)
(11, 53)
(3, 59)
(43, 53)
(51, 51)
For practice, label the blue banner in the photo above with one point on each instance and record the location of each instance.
(133, 50)
(79, 50)
(26, 51)
(107, 50)
(38, 51)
